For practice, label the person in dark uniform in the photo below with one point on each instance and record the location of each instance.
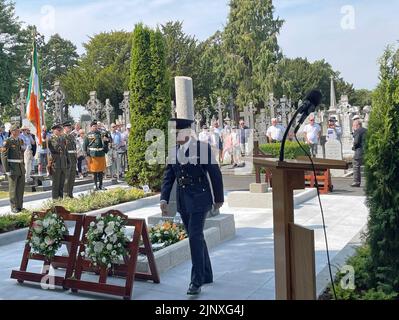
(359, 142)
(73, 159)
(189, 164)
(59, 161)
(12, 157)
(95, 147)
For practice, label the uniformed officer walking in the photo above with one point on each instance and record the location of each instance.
(12, 157)
(73, 159)
(59, 161)
(190, 164)
(95, 147)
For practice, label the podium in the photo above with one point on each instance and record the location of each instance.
(294, 257)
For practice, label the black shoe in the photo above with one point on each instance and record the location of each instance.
(193, 289)
(21, 209)
(102, 188)
(355, 184)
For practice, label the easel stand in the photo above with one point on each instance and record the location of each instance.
(294, 257)
(126, 270)
(71, 242)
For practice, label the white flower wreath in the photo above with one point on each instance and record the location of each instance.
(48, 233)
(106, 241)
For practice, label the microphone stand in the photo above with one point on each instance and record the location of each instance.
(298, 111)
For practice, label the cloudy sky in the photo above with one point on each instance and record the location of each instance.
(350, 34)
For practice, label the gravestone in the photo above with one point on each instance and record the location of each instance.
(220, 108)
(124, 106)
(333, 149)
(109, 110)
(94, 106)
(347, 138)
(58, 98)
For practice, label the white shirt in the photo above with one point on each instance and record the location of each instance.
(204, 136)
(312, 133)
(276, 132)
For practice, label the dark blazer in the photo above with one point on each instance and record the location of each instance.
(359, 141)
(196, 196)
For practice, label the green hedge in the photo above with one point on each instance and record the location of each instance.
(292, 149)
(13, 222)
(362, 291)
(82, 204)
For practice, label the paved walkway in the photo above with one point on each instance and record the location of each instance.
(243, 267)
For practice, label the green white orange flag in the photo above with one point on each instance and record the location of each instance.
(34, 109)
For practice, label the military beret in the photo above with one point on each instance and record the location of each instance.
(67, 124)
(56, 126)
(93, 123)
(182, 123)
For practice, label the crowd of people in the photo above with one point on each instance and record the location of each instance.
(36, 155)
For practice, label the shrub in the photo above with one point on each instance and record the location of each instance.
(292, 149)
(14, 221)
(150, 105)
(382, 172)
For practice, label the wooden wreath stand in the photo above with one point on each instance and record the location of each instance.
(126, 270)
(294, 258)
(71, 242)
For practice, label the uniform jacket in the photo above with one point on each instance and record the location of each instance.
(359, 141)
(71, 147)
(193, 189)
(59, 152)
(94, 146)
(12, 149)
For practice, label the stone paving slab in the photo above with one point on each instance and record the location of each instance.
(243, 267)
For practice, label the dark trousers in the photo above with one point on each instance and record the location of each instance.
(80, 160)
(357, 177)
(201, 271)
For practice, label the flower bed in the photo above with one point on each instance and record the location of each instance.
(81, 204)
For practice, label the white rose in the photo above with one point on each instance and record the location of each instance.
(118, 218)
(54, 215)
(45, 223)
(82, 254)
(42, 245)
(98, 247)
(63, 229)
(109, 246)
(119, 245)
(109, 265)
(104, 259)
(98, 217)
(113, 253)
(109, 230)
(114, 238)
(92, 224)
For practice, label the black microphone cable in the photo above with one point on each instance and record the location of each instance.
(321, 210)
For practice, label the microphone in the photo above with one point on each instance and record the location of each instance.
(312, 100)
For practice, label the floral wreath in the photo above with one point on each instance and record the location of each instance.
(47, 234)
(167, 233)
(106, 241)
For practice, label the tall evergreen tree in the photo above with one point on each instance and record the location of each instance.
(251, 49)
(150, 104)
(382, 172)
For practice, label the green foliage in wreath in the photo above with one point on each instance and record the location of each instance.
(106, 241)
(48, 233)
(167, 233)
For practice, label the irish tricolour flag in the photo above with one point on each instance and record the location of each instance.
(34, 109)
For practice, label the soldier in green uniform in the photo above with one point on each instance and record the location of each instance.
(12, 157)
(72, 153)
(59, 161)
(95, 147)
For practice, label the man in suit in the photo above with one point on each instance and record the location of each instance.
(190, 163)
(359, 141)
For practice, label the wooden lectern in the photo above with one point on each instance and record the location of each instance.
(294, 258)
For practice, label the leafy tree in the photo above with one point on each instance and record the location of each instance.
(103, 68)
(251, 50)
(58, 56)
(181, 52)
(361, 98)
(150, 104)
(382, 172)
(296, 77)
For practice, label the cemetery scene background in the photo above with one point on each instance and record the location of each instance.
(248, 60)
